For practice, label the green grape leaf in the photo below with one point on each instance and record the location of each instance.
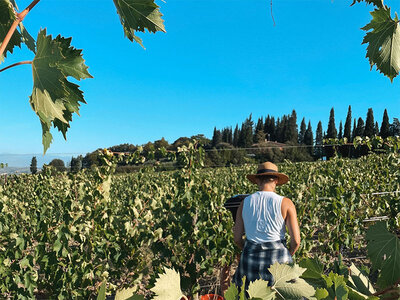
(102, 292)
(231, 293)
(7, 18)
(138, 15)
(287, 281)
(384, 251)
(313, 273)
(27, 39)
(54, 98)
(260, 289)
(127, 294)
(359, 282)
(383, 39)
(377, 3)
(336, 285)
(321, 293)
(167, 286)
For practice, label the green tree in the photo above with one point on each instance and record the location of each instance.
(385, 125)
(236, 135)
(331, 132)
(309, 138)
(217, 137)
(340, 135)
(76, 164)
(319, 141)
(369, 124)
(395, 127)
(353, 135)
(34, 165)
(347, 125)
(161, 144)
(376, 129)
(360, 127)
(290, 128)
(246, 133)
(58, 164)
(302, 132)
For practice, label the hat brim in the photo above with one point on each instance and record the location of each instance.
(282, 178)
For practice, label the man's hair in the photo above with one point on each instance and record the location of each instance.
(267, 178)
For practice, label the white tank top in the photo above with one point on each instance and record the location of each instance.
(262, 217)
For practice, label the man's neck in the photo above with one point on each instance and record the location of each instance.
(267, 188)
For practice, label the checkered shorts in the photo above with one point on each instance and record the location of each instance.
(256, 258)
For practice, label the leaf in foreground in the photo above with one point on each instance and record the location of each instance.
(259, 289)
(167, 286)
(138, 15)
(128, 294)
(287, 281)
(7, 17)
(54, 98)
(384, 251)
(102, 291)
(378, 3)
(231, 293)
(383, 39)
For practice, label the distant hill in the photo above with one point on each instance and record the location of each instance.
(23, 161)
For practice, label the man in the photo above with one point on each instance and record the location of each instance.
(263, 217)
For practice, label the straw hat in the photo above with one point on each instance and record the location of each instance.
(268, 168)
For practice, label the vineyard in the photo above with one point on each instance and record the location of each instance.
(62, 235)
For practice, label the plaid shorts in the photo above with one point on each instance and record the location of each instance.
(256, 258)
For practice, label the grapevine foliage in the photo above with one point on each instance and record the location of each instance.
(137, 15)
(384, 251)
(54, 98)
(383, 39)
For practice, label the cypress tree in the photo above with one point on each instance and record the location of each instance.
(271, 135)
(360, 127)
(309, 138)
(347, 125)
(369, 124)
(376, 131)
(318, 140)
(259, 135)
(279, 130)
(292, 132)
(246, 133)
(229, 135)
(302, 132)
(235, 140)
(331, 132)
(340, 130)
(353, 135)
(385, 125)
(34, 165)
(217, 138)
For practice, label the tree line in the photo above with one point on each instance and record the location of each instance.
(254, 141)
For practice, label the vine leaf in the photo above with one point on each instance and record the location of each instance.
(383, 39)
(127, 294)
(288, 283)
(7, 18)
(138, 15)
(167, 286)
(384, 251)
(231, 293)
(260, 289)
(377, 3)
(54, 98)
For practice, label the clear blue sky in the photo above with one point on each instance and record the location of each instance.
(219, 61)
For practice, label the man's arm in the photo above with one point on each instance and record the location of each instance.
(292, 225)
(238, 229)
